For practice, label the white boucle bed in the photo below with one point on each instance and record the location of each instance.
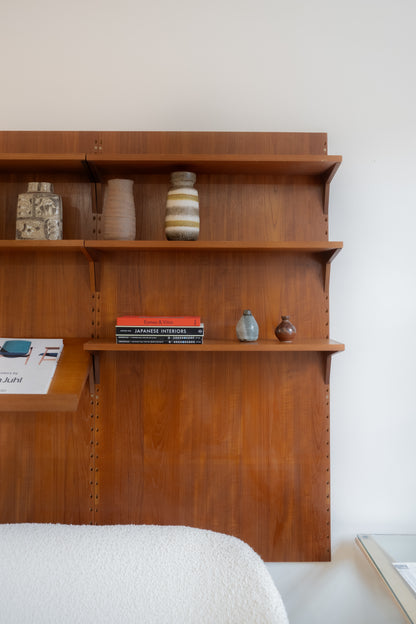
(67, 574)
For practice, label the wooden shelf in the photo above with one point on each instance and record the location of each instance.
(41, 245)
(146, 245)
(99, 165)
(323, 345)
(189, 246)
(66, 386)
(39, 163)
(301, 165)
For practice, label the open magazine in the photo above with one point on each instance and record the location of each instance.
(27, 366)
(408, 571)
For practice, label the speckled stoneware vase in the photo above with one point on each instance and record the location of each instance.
(39, 213)
(182, 208)
(247, 329)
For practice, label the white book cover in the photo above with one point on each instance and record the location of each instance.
(27, 365)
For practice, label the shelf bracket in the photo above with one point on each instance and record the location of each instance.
(327, 366)
(329, 257)
(95, 370)
(91, 377)
(93, 269)
(327, 181)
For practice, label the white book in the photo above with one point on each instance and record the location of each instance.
(27, 365)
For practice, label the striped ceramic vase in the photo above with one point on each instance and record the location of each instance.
(182, 208)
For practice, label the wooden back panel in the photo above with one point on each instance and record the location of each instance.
(235, 442)
(236, 207)
(46, 470)
(230, 442)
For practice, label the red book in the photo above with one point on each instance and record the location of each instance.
(159, 320)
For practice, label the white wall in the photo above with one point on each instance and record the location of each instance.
(347, 68)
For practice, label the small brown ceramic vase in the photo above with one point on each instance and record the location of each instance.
(285, 331)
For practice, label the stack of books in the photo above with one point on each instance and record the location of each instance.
(159, 330)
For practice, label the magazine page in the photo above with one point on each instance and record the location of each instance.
(27, 365)
(408, 572)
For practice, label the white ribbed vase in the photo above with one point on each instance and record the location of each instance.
(119, 213)
(182, 208)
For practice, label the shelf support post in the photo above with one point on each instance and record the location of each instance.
(95, 430)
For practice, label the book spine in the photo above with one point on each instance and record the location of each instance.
(158, 340)
(159, 331)
(159, 320)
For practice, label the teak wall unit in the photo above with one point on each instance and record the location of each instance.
(228, 436)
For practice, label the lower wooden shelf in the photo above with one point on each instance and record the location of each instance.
(66, 386)
(324, 345)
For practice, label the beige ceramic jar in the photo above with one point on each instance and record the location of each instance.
(119, 213)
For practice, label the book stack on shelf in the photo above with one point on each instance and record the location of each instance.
(159, 330)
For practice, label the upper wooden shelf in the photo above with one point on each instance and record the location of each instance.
(48, 163)
(98, 167)
(323, 345)
(323, 166)
(66, 385)
(163, 245)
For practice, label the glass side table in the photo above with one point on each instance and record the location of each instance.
(384, 550)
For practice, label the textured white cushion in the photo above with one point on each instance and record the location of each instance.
(67, 574)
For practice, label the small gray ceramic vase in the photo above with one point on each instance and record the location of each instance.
(247, 329)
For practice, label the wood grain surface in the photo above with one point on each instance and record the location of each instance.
(220, 437)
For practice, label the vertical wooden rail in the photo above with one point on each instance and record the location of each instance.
(94, 387)
(92, 449)
(327, 372)
(97, 425)
(328, 460)
(96, 400)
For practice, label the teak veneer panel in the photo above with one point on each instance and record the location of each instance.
(45, 465)
(225, 436)
(43, 163)
(211, 143)
(252, 462)
(45, 440)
